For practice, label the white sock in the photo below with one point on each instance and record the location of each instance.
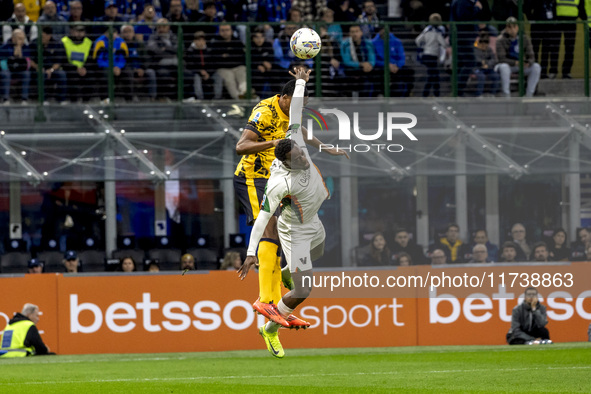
(284, 310)
(271, 327)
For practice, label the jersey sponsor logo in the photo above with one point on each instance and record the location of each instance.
(304, 261)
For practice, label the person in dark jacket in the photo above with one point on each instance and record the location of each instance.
(486, 60)
(229, 54)
(263, 67)
(15, 64)
(54, 57)
(21, 337)
(376, 253)
(199, 61)
(559, 251)
(144, 78)
(528, 321)
(544, 39)
(402, 244)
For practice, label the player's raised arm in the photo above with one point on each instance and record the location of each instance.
(249, 143)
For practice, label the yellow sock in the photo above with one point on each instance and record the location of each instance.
(276, 288)
(267, 256)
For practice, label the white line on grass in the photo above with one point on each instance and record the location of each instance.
(194, 378)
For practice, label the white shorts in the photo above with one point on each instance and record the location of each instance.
(297, 240)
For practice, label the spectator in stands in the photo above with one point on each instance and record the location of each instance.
(71, 262)
(432, 43)
(199, 62)
(294, 15)
(540, 252)
(528, 320)
(333, 72)
(123, 75)
(493, 34)
(465, 11)
(438, 257)
(147, 24)
(127, 265)
(111, 15)
(162, 49)
(567, 12)
(187, 262)
(79, 72)
(192, 11)
(209, 16)
(369, 20)
(153, 266)
(481, 237)
(21, 337)
(579, 247)
(486, 60)
(131, 9)
(262, 59)
(344, 11)
(34, 8)
(310, 9)
(359, 58)
(142, 76)
(403, 260)
(544, 38)
(508, 55)
(35, 266)
(334, 30)
(229, 52)
(232, 261)
(558, 250)
(59, 23)
(376, 253)
(20, 18)
(15, 61)
(508, 252)
(523, 248)
(76, 12)
(176, 13)
(273, 10)
(451, 244)
(479, 254)
(53, 58)
(402, 244)
(401, 77)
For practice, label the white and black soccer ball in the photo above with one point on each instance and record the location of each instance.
(305, 43)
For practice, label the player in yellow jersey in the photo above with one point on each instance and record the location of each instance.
(266, 126)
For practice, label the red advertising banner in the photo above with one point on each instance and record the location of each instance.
(211, 311)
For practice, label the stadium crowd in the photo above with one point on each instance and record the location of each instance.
(146, 64)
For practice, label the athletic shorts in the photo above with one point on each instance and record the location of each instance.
(297, 242)
(250, 193)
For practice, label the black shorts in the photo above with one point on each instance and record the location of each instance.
(250, 193)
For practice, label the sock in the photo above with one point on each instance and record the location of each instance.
(276, 281)
(267, 256)
(284, 310)
(271, 327)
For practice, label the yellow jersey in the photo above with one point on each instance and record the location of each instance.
(269, 122)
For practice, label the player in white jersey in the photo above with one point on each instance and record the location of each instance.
(297, 186)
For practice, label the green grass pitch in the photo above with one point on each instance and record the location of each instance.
(551, 368)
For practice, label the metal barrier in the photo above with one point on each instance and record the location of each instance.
(170, 74)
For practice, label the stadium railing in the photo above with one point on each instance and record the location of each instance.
(455, 81)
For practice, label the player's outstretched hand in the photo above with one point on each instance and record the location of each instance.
(301, 73)
(248, 263)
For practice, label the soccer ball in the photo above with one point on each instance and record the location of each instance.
(305, 43)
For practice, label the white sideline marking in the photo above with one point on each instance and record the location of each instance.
(194, 378)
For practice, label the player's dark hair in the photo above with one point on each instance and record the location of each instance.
(283, 148)
(289, 87)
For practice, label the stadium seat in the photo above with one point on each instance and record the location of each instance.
(137, 255)
(169, 259)
(205, 259)
(92, 260)
(14, 262)
(53, 260)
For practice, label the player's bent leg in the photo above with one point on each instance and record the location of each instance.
(272, 342)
